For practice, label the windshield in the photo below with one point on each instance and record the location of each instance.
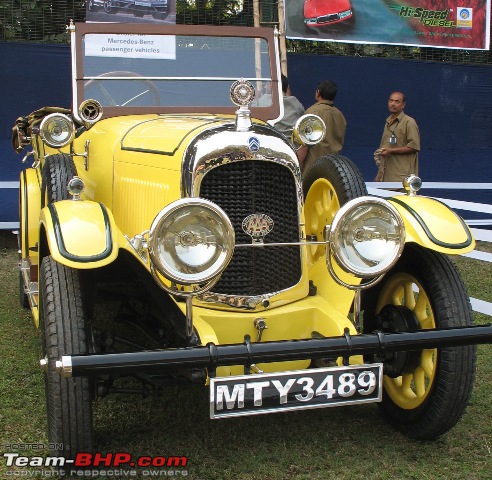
(138, 70)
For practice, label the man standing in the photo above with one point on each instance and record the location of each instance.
(334, 120)
(293, 110)
(400, 143)
(266, 99)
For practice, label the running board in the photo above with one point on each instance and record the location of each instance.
(31, 289)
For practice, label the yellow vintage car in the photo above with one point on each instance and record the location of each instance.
(168, 235)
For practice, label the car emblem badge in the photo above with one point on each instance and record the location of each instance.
(257, 226)
(254, 144)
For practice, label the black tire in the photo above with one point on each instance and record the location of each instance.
(432, 393)
(58, 170)
(329, 182)
(160, 15)
(64, 326)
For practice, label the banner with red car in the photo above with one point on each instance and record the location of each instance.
(427, 23)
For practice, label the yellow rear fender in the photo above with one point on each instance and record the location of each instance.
(80, 234)
(434, 225)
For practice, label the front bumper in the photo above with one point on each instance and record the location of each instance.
(212, 356)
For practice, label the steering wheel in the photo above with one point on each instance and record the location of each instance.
(152, 89)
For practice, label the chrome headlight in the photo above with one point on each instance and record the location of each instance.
(57, 130)
(367, 237)
(191, 241)
(309, 130)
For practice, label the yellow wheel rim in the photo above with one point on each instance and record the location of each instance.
(320, 207)
(410, 390)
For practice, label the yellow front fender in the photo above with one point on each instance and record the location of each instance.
(434, 225)
(29, 208)
(80, 234)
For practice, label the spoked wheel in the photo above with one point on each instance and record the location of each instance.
(66, 330)
(425, 392)
(330, 182)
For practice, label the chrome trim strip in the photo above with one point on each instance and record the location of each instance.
(241, 302)
(279, 244)
(206, 79)
(279, 90)
(64, 366)
(208, 151)
(73, 53)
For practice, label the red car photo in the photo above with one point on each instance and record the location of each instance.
(319, 13)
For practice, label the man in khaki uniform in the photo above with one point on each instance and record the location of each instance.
(334, 120)
(400, 143)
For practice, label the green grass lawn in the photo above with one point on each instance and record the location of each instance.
(340, 443)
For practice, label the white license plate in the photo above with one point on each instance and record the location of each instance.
(296, 390)
(142, 4)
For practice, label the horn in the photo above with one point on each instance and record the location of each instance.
(90, 112)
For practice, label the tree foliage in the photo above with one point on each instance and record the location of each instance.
(38, 20)
(45, 21)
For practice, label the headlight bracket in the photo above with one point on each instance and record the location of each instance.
(369, 220)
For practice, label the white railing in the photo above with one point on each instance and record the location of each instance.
(378, 188)
(9, 225)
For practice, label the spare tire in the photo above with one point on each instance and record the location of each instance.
(328, 183)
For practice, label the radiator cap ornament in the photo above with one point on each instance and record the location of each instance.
(242, 92)
(257, 226)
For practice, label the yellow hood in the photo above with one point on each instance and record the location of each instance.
(164, 135)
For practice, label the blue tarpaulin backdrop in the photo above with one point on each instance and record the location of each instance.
(31, 76)
(451, 103)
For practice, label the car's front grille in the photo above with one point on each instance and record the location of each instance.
(263, 187)
(329, 18)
